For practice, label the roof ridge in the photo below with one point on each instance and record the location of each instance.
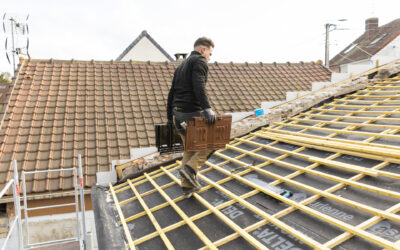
(92, 61)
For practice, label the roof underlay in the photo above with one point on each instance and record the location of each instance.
(326, 178)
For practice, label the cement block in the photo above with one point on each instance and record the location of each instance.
(103, 178)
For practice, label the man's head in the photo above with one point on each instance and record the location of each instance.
(204, 46)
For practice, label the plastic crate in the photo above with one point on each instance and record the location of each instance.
(200, 136)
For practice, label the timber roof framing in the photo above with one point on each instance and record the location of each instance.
(339, 162)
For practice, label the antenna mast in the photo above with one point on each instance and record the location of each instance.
(19, 32)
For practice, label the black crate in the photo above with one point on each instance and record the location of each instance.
(167, 139)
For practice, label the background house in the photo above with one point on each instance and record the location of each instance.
(145, 48)
(378, 44)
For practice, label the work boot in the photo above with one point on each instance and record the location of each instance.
(188, 192)
(190, 177)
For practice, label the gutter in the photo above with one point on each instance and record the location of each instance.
(41, 196)
(109, 234)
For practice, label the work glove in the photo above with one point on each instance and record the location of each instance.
(210, 116)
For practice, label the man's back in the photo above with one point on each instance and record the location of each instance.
(189, 82)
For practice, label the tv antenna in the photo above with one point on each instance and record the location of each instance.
(19, 32)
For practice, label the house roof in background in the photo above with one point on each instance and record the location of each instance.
(369, 43)
(136, 41)
(59, 109)
(326, 178)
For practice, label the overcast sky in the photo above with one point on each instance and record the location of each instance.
(243, 31)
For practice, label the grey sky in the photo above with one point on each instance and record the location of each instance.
(252, 31)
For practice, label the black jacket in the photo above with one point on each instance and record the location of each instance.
(188, 90)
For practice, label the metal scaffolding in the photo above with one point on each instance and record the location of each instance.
(23, 239)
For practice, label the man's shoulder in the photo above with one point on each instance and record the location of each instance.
(199, 59)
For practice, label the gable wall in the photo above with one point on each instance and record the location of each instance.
(392, 49)
(145, 50)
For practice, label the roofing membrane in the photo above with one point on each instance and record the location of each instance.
(326, 178)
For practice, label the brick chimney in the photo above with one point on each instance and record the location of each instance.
(371, 25)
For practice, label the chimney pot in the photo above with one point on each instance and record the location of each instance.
(180, 56)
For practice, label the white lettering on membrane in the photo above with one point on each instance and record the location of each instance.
(385, 230)
(336, 213)
(271, 237)
(231, 211)
(274, 237)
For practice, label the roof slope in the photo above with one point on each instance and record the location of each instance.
(365, 48)
(136, 41)
(327, 178)
(59, 109)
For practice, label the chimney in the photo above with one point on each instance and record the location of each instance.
(180, 56)
(371, 25)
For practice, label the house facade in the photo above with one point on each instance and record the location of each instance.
(376, 46)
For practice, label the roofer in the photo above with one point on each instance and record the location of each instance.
(187, 98)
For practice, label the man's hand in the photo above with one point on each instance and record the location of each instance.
(210, 116)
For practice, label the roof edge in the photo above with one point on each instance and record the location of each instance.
(10, 92)
(47, 195)
(109, 235)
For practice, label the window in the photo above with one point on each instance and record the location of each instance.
(377, 39)
(350, 48)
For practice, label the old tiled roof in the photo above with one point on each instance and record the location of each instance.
(144, 34)
(365, 45)
(59, 109)
(327, 178)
